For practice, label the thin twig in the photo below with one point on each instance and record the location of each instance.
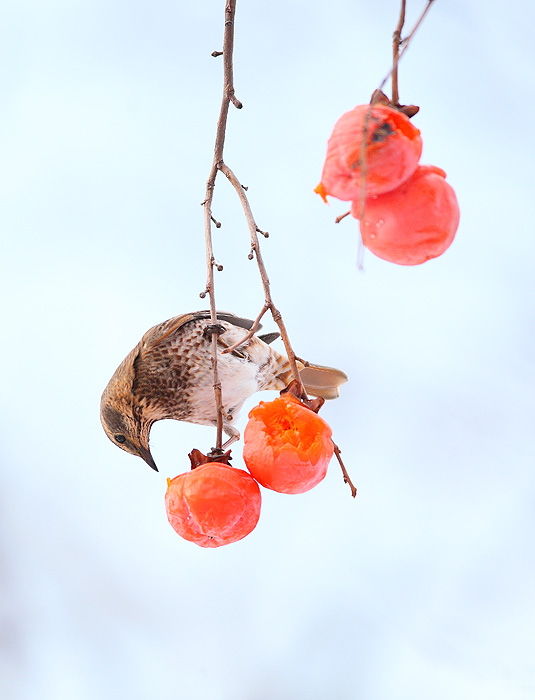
(228, 96)
(395, 51)
(406, 42)
(364, 164)
(347, 478)
(250, 333)
(255, 245)
(342, 216)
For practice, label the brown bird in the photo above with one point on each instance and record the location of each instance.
(169, 374)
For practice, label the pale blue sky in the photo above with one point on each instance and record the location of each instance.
(421, 588)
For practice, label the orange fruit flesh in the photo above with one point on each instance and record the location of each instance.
(287, 447)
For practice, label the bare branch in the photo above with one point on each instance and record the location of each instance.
(250, 332)
(255, 245)
(228, 95)
(406, 42)
(341, 217)
(395, 51)
(347, 478)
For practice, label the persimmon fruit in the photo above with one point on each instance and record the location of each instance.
(393, 149)
(213, 505)
(287, 447)
(413, 223)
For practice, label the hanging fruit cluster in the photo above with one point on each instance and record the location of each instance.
(287, 448)
(408, 212)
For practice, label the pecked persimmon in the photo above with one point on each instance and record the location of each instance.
(287, 447)
(413, 223)
(393, 149)
(213, 505)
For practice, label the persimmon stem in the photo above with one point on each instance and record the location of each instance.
(395, 51)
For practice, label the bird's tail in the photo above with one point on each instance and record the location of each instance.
(322, 381)
(317, 379)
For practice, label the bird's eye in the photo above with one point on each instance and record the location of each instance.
(120, 438)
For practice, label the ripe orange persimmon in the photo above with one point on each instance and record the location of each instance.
(287, 447)
(413, 223)
(213, 504)
(393, 149)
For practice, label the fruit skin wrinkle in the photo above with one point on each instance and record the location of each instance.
(213, 504)
(393, 149)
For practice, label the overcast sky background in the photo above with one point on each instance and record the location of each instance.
(423, 587)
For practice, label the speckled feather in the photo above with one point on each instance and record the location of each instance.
(174, 374)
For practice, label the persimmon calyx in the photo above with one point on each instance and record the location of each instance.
(296, 390)
(197, 458)
(379, 98)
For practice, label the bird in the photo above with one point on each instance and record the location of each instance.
(169, 375)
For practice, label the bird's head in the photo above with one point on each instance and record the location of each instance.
(124, 422)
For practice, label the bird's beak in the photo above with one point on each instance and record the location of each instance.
(146, 456)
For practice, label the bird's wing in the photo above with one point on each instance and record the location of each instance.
(163, 330)
(268, 338)
(236, 320)
(155, 335)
